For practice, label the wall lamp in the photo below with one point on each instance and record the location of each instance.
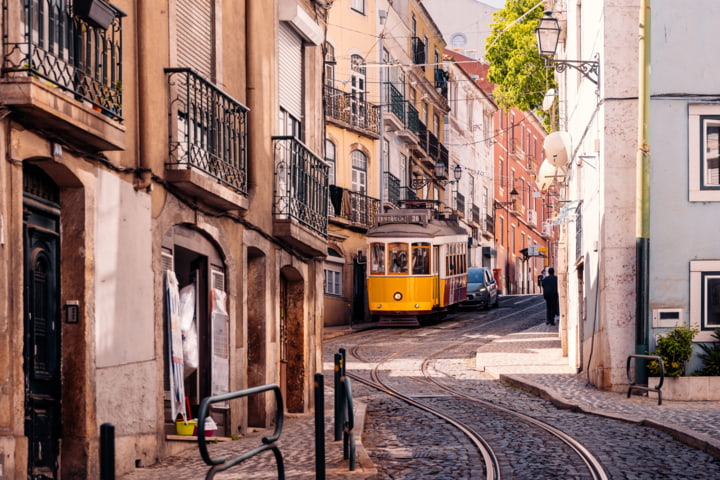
(548, 34)
(513, 196)
(440, 173)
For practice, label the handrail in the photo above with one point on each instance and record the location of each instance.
(222, 463)
(657, 388)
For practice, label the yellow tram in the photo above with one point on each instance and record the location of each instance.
(417, 266)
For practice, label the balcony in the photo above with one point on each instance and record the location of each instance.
(475, 217)
(429, 149)
(207, 140)
(353, 209)
(460, 203)
(64, 73)
(346, 111)
(392, 187)
(300, 206)
(489, 226)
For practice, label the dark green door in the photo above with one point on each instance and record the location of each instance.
(42, 339)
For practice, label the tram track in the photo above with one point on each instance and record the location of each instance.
(478, 420)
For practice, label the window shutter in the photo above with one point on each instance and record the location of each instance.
(217, 278)
(290, 70)
(195, 36)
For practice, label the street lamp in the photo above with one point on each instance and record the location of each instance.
(513, 196)
(548, 34)
(440, 173)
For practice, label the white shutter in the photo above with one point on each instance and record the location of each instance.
(290, 68)
(195, 36)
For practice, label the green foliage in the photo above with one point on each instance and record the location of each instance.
(516, 66)
(675, 348)
(711, 356)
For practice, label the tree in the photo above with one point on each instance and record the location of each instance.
(516, 66)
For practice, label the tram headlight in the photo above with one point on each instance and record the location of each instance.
(397, 296)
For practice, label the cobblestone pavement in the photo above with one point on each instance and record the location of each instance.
(531, 360)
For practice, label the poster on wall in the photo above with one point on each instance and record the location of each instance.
(175, 346)
(220, 345)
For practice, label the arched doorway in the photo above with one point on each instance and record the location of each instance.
(42, 350)
(292, 339)
(257, 334)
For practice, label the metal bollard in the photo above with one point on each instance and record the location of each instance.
(319, 427)
(107, 451)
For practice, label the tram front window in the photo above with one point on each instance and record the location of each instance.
(377, 260)
(398, 257)
(421, 258)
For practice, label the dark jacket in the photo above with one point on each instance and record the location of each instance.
(550, 288)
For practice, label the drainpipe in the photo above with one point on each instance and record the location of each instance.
(642, 246)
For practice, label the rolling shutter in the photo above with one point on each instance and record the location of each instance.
(195, 36)
(290, 70)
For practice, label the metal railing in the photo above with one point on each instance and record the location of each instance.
(392, 187)
(475, 213)
(635, 386)
(408, 194)
(490, 224)
(345, 108)
(397, 102)
(301, 185)
(220, 464)
(356, 207)
(207, 129)
(460, 203)
(53, 44)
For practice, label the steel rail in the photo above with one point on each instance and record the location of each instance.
(592, 464)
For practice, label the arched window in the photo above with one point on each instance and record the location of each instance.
(330, 159)
(359, 171)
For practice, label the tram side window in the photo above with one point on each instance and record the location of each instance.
(421, 258)
(398, 257)
(377, 260)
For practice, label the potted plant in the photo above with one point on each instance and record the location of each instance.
(711, 356)
(675, 348)
(97, 13)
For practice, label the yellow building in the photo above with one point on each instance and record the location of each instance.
(385, 106)
(162, 175)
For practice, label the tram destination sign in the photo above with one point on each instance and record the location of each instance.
(408, 216)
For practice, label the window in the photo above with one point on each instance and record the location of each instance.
(377, 259)
(705, 298)
(330, 159)
(359, 171)
(329, 64)
(333, 280)
(704, 146)
(357, 86)
(421, 258)
(398, 258)
(358, 6)
(458, 41)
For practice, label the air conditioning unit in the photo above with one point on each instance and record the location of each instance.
(547, 229)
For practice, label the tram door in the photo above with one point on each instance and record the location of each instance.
(42, 339)
(436, 272)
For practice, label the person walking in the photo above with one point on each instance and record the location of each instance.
(550, 293)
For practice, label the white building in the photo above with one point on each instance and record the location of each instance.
(608, 221)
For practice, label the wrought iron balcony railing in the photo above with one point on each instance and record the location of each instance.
(345, 108)
(356, 207)
(301, 185)
(392, 187)
(460, 199)
(51, 43)
(475, 214)
(397, 102)
(408, 194)
(490, 224)
(208, 129)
